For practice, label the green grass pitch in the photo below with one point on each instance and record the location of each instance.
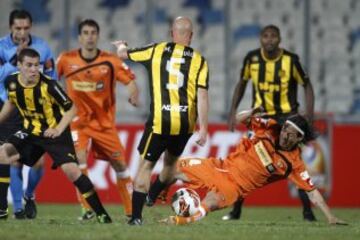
(60, 222)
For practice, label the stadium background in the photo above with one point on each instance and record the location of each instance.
(325, 33)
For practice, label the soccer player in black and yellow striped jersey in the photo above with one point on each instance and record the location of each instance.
(19, 37)
(179, 81)
(275, 74)
(47, 112)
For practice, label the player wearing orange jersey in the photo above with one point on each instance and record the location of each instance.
(270, 155)
(90, 77)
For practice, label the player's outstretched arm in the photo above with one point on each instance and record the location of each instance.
(317, 199)
(309, 99)
(133, 93)
(236, 99)
(244, 116)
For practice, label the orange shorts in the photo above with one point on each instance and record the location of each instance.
(104, 144)
(208, 174)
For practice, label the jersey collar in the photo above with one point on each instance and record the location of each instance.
(271, 60)
(89, 60)
(27, 86)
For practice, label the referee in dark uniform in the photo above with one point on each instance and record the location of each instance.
(275, 74)
(179, 79)
(47, 112)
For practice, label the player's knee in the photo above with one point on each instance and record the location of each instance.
(147, 165)
(142, 183)
(71, 170)
(118, 166)
(141, 186)
(81, 156)
(4, 155)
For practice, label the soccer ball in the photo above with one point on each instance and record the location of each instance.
(185, 202)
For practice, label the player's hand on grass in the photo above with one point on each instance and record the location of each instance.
(52, 133)
(337, 221)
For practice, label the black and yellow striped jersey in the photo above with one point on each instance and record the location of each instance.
(41, 105)
(175, 73)
(274, 81)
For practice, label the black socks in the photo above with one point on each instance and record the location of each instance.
(87, 190)
(138, 200)
(4, 185)
(156, 188)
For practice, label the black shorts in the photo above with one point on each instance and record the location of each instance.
(11, 125)
(152, 145)
(31, 148)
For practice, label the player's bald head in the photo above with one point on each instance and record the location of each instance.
(182, 29)
(182, 25)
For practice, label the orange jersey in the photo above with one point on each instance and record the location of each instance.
(91, 86)
(255, 163)
(210, 174)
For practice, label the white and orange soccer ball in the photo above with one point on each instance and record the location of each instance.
(185, 202)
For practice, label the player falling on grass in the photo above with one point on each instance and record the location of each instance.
(275, 74)
(47, 112)
(270, 155)
(90, 76)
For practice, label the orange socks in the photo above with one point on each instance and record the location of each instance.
(125, 188)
